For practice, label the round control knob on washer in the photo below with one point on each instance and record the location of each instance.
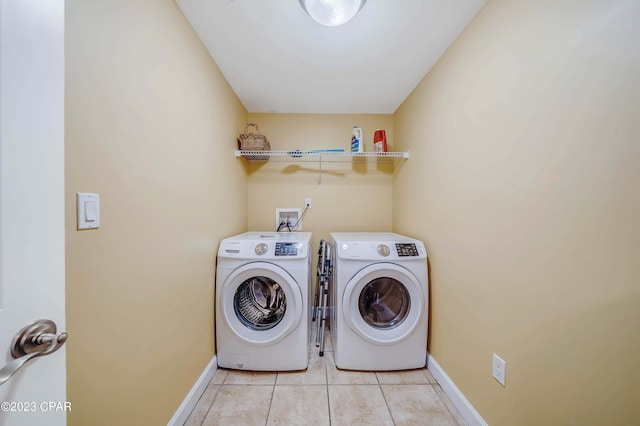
(383, 250)
(261, 249)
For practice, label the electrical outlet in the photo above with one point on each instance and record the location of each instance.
(307, 203)
(499, 369)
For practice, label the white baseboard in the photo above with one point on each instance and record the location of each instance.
(464, 407)
(187, 406)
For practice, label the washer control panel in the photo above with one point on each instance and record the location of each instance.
(286, 249)
(266, 246)
(263, 250)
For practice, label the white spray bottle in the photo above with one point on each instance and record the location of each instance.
(356, 140)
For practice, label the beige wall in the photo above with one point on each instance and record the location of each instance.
(151, 126)
(524, 182)
(351, 197)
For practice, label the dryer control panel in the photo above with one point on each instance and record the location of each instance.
(382, 250)
(406, 249)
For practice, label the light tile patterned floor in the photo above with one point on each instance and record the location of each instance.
(324, 395)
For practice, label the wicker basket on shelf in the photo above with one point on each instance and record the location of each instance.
(250, 141)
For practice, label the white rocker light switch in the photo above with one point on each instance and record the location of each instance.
(88, 210)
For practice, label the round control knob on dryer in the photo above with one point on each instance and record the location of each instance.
(261, 249)
(383, 250)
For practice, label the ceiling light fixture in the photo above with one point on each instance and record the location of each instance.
(332, 12)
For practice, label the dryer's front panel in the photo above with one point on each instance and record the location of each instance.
(384, 303)
(261, 303)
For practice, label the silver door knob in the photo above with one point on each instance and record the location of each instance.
(36, 339)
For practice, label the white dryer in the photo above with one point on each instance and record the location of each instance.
(379, 297)
(262, 301)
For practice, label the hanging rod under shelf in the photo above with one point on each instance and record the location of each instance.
(328, 156)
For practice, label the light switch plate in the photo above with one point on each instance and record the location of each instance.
(88, 210)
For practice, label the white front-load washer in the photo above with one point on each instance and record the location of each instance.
(262, 301)
(379, 298)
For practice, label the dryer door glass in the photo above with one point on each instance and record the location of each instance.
(384, 303)
(259, 303)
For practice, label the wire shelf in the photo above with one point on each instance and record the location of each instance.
(320, 156)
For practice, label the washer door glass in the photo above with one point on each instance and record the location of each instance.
(260, 303)
(384, 303)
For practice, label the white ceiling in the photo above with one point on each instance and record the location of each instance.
(279, 60)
